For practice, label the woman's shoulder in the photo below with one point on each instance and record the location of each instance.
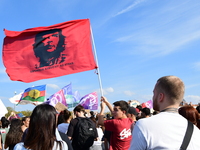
(20, 146)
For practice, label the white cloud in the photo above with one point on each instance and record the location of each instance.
(192, 86)
(163, 31)
(129, 93)
(192, 98)
(53, 86)
(129, 8)
(108, 90)
(2, 70)
(197, 66)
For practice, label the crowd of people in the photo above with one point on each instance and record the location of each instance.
(123, 128)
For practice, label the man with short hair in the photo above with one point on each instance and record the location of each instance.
(120, 126)
(146, 112)
(72, 133)
(165, 130)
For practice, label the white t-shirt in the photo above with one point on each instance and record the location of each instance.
(164, 131)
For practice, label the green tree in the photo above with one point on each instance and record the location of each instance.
(25, 113)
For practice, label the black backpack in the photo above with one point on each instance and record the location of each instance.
(86, 132)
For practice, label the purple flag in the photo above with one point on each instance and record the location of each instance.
(77, 97)
(57, 97)
(67, 91)
(90, 101)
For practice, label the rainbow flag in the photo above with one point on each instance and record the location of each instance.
(33, 95)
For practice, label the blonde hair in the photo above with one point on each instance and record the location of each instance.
(173, 87)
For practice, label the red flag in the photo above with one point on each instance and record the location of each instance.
(47, 52)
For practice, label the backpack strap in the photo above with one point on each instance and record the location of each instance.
(187, 137)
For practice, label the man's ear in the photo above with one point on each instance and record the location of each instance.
(124, 112)
(161, 97)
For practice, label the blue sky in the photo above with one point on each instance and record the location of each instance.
(137, 42)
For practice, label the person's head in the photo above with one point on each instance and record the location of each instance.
(64, 117)
(15, 125)
(198, 109)
(4, 122)
(155, 112)
(79, 111)
(132, 113)
(190, 113)
(108, 116)
(92, 113)
(139, 107)
(42, 128)
(48, 46)
(25, 121)
(120, 109)
(145, 112)
(14, 134)
(168, 91)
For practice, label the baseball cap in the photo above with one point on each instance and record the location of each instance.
(132, 110)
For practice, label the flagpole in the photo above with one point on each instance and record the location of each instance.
(15, 104)
(98, 71)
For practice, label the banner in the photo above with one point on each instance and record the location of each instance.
(90, 101)
(72, 99)
(148, 104)
(33, 95)
(48, 52)
(3, 109)
(57, 97)
(16, 99)
(77, 98)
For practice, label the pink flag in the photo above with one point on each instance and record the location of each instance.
(90, 101)
(147, 104)
(57, 97)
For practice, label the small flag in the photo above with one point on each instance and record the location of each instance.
(148, 104)
(77, 98)
(47, 52)
(57, 97)
(15, 99)
(72, 99)
(90, 101)
(20, 115)
(33, 95)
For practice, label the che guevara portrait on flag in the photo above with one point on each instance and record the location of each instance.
(48, 47)
(47, 52)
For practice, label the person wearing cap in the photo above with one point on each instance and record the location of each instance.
(132, 114)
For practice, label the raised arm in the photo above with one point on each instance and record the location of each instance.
(110, 107)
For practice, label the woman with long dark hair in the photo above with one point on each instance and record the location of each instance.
(41, 133)
(64, 119)
(25, 123)
(14, 134)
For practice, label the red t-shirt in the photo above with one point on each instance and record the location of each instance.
(121, 133)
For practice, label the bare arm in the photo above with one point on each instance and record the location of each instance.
(101, 114)
(110, 107)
